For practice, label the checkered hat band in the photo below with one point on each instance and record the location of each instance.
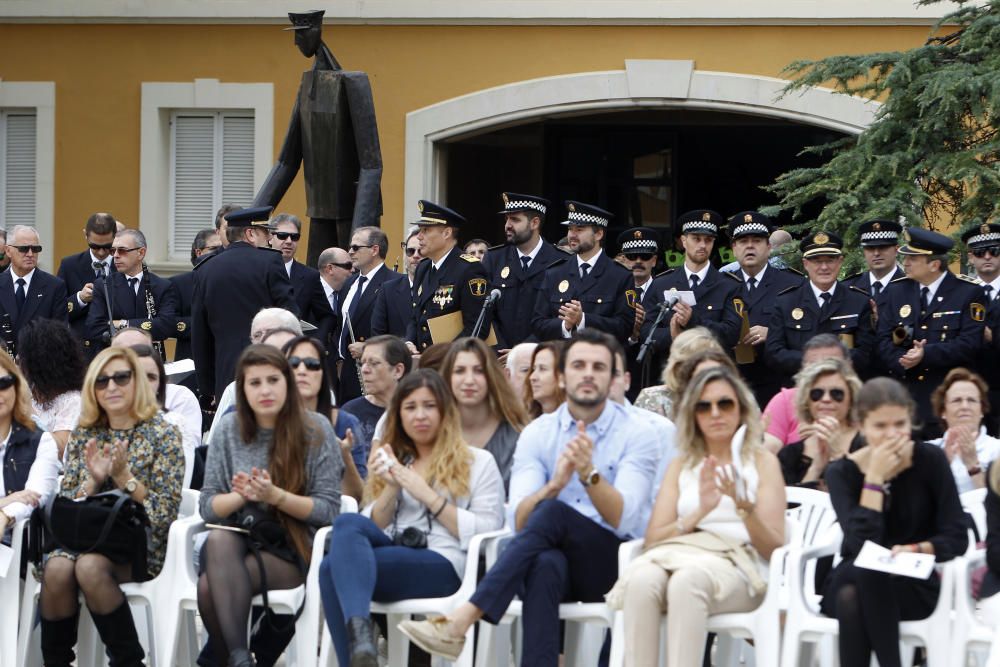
(752, 228)
(983, 238)
(521, 205)
(880, 236)
(699, 226)
(640, 244)
(578, 218)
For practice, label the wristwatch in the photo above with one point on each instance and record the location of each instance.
(591, 478)
(131, 486)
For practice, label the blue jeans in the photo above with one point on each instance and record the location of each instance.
(362, 565)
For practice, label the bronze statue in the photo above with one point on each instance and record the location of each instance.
(334, 135)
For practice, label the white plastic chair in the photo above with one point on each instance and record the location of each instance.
(968, 630)
(10, 597)
(974, 502)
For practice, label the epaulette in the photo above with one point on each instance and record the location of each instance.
(853, 276)
(794, 270)
(565, 250)
(896, 280)
(664, 273)
(733, 275)
(969, 279)
(497, 247)
(557, 262)
(202, 261)
(788, 289)
(469, 258)
(859, 290)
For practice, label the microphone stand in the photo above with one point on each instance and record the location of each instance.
(107, 302)
(663, 309)
(482, 316)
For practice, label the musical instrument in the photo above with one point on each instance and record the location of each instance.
(7, 329)
(151, 310)
(357, 364)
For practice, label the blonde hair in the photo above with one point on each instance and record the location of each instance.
(451, 460)
(691, 441)
(807, 377)
(144, 405)
(685, 346)
(22, 392)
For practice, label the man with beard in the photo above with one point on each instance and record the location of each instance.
(518, 267)
(639, 249)
(588, 290)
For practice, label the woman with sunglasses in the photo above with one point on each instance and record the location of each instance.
(305, 355)
(719, 514)
(900, 495)
(31, 456)
(960, 402)
(427, 495)
(824, 393)
(270, 459)
(121, 442)
(542, 391)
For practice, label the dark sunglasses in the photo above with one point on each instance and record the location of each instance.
(723, 404)
(837, 395)
(122, 251)
(643, 256)
(23, 249)
(355, 248)
(100, 246)
(312, 363)
(346, 266)
(7, 381)
(295, 236)
(121, 379)
(991, 249)
(410, 252)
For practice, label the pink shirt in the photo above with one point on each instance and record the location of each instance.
(781, 411)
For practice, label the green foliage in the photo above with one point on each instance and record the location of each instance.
(932, 154)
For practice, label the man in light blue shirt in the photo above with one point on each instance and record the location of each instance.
(579, 487)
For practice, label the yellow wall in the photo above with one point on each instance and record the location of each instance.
(98, 70)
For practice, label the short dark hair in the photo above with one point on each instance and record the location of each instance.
(881, 391)
(235, 234)
(376, 237)
(594, 337)
(287, 217)
(100, 223)
(324, 402)
(477, 242)
(394, 351)
(943, 259)
(826, 340)
(200, 241)
(223, 211)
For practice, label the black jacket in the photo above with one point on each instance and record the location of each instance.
(127, 305)
(76, 271)
(513, 312)
(393, 308)
(184, 285)
(460, 285)
(361, 323)
(45, 297)
(311, 300)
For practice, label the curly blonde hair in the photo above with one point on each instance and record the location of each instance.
(691, 441)
(451, 460)
(144, 405)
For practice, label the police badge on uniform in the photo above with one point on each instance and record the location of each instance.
(630, 298)
(477, 286)
(978, 311)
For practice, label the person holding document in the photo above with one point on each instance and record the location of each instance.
(898, 494)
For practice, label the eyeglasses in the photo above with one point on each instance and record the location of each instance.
(836, 394)
(643, 256)
(355, 248)
(312, 363)
(346, 266)
(723, 405)
(121, 378)
(212, 248)
(991, 249)
(295, 236)
(410, 252)
(23, 249)
(7, 381)
(122, 251)
(100, 246)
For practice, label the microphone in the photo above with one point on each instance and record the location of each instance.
(493, 297)
(487, 304)
(670, 299)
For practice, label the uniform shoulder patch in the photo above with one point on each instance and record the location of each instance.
(665, 273)
(794, 271)
(561, 260)
(501, 246)
(733, 275)
(853, 276)
(969, 279)
(899, 279)
(202, 261)
(469, 258)
(788, 289)
(858, 290)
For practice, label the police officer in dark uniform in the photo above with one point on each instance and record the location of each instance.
(760, 284)
(517, 268)
(713, 292)
(588, 289)
(821, 304)
(931, 321)
(638, 251)
(230, 288)
(446, 281)
(983, 242)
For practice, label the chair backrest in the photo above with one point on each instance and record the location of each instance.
(973, 502)
(189, 503)
(814, 513)
(348, 505)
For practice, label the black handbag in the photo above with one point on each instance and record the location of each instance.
(110, 523)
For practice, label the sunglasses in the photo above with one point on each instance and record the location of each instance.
(723, 405)
(312, 363)
(23, 249)
(355, 248)
(410, 252)
(100, 246)
(121, 378)
(643, 256)
(346, 266)
(295, 236)
(991, 249)
(7, 381)
(818, 393)
(122, 251)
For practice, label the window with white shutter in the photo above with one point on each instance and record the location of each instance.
(212, 161)
(18, 161)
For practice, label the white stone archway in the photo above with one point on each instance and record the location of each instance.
(652, 84)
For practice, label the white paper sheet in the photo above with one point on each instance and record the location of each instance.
(875, 557)
(686, 296)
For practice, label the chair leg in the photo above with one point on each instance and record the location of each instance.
(399, 644)
(26, 624)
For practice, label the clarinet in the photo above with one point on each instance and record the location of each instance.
(7, 329)
(151, 310)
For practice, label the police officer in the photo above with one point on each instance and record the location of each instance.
(760, 284)
(517, 267)
(931, 320)
(983, 242)
(821, 304)
(638, 251)
(446, 281)
(230, 288)
(713, 292)
(588, 289)
(879, 242)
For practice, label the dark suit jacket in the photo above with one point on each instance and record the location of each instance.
(311, 300)
(45, 297)
(393, 308)
(361, 323)
(512, 313)
(184, 285)
(18, 456)
(601, 293)
(76, 271)
(126, 305)
(460, 285)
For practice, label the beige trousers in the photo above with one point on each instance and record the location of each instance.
(689, 596)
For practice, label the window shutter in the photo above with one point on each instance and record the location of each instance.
(237, 160)
(19, 169)
(192, 179)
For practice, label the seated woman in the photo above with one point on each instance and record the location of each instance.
(31, 457)
(723, 490)
(919, 512)
(661, 398)
(542, 392)
(824, 395)
(489, 411)
(425, 488)
(307, 357)
(270, 458)
(960, 401)
(121, 442)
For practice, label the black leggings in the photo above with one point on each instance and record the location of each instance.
(230, 579)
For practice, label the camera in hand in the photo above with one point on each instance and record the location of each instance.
(411, 537)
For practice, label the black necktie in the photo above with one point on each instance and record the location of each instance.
(876, 288)
(19, 295)
(751, 284)
(989, 292)
(925, 299)
(132, 282)
(334, 302)
(638, 294)
(695, 280)
(584, 270)
(825, 297)
(525, 261)
(352, 309)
